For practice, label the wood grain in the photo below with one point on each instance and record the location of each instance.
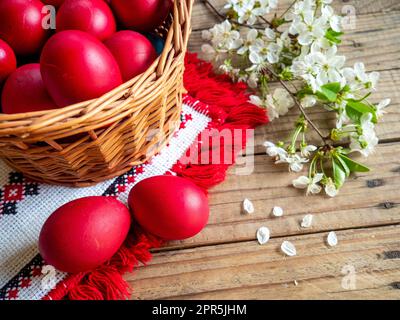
(202, 17)
(247, 270)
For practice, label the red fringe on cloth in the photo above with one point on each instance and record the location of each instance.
(226, 103)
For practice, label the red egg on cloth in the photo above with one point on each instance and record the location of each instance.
(21, 25)
(170, 207)
(141, 15)
(24, 91)
(91, 16)
(134, 52)
(8, 61)
(76, 66)
(84, 233)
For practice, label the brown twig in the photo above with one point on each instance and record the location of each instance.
(325, 139)
(287, 9)
(222, 17)
(267, 22)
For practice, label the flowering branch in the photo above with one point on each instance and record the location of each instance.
(298, 104)
(222, 17)
(301, 45)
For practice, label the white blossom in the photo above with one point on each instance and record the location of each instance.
(249, 10)
(277, 104)
(252, 80)
(295, 162)
(319, 68)
(330, 188)
(328, 66)
(357, 78)
(365, 142)
(300, 8)
(334, 20)
(251, 37)
(307, 150)
(308, 101)
(308, 28)
(312, 185)
(223, 37)
(274, 151)
(262, 52)
(380, 108)
(270, 34)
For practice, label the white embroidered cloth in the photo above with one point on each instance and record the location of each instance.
(25, 205)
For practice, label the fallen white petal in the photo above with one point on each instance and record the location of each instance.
(277, 211)
(307, 221)
(288, 248)
(301, 182)
(332, 239)
(248, 206)
(263, 235)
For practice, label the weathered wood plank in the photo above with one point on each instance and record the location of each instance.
(249, 271)
(204, 17)
(369, 199)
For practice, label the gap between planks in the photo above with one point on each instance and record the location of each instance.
(241, 270)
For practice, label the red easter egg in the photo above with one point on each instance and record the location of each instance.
(84, 233)
(170, 207)
(134, 52)
(141, 15)
(21, 25)
(8, 62)
(55, 3)
(91, 16)
(76, 67)
(24, 91)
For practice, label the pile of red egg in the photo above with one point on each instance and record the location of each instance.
(96, 46)
(86, 232)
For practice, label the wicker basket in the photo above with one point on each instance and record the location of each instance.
(102, 138)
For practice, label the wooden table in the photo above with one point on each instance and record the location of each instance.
(225, 261)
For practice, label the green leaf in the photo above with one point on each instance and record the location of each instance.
(353, 114)
(304, 92)
(343, 165)
(326, 95)
(361, 108)
(333, 36)
(354, 166)
(333, 86)
(329, 91)
(338, 174)
(335, 33)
